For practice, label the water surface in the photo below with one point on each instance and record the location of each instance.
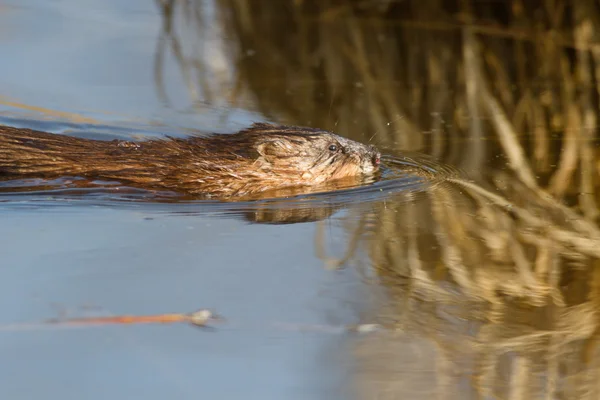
(475, 255)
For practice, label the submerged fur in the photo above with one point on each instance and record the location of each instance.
(262, 157)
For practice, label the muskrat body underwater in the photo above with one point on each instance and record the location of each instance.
(257, 159)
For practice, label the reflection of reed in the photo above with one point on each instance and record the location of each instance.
(398, 69)
(507, 291)
(188, 35)
(504, 279)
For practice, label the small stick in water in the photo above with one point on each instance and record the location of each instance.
(200, 317)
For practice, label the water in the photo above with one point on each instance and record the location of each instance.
(474, 255)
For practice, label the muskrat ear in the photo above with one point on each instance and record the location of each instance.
(270, 150)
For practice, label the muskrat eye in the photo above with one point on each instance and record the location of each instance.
(333, 148)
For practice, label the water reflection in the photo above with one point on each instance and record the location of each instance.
(409, 76)
(488, 286)
(485, 297)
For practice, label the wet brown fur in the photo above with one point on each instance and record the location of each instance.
(262, 157)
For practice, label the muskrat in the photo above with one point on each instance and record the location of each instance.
(257, 159)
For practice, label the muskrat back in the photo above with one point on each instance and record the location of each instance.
(260, 158)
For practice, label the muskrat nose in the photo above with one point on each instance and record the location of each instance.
(376, 158)
(375, 155)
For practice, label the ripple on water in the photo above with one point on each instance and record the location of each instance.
(401, 177)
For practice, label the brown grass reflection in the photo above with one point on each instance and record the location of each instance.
(491, 286)
(477, 84)
(485, 297)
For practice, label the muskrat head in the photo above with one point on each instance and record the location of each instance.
(312, 156)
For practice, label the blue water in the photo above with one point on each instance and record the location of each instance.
(257, 276)
(94, 61)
